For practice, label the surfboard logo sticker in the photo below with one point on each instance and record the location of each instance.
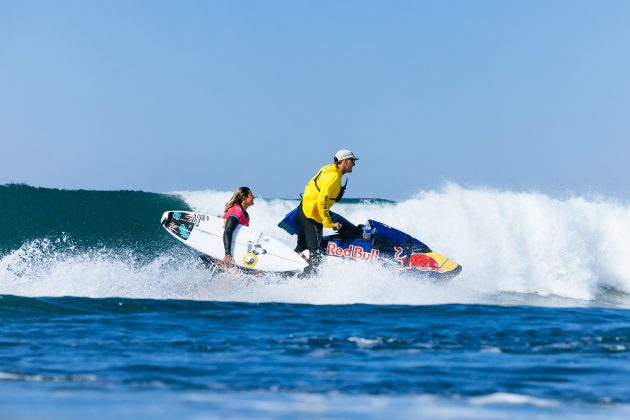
(184, 232)
(200, 218)
(255, 247)
(181, 224)
(250, 260)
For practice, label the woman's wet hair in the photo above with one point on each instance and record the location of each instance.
(238, 196)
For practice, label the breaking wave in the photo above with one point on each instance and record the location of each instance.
(515, 248)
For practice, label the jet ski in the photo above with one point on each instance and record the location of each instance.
(377, 242)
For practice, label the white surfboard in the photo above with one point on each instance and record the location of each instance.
(250, 248)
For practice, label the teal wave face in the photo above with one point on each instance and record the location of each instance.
(110, 219)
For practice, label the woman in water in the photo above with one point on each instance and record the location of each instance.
(235, 214)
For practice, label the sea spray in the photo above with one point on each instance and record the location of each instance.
(507, 242)
(515, 248)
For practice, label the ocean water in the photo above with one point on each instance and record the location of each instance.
(103, 314)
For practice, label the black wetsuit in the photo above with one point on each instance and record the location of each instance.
(309, 238)
(310, 233)
(231, 223)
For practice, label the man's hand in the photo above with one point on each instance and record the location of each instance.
(337, 225)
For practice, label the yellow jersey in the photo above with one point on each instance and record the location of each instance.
(320, 194)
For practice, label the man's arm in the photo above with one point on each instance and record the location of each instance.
(328, 188)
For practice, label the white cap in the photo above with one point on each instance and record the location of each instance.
(345, 154)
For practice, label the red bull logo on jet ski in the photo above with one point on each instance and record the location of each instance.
(353, 251)
(418, 261)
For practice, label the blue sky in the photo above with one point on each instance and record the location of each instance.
(163, 96)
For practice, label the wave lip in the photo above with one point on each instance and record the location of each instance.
(93, 219)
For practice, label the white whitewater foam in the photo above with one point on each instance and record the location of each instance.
(73, 403)
(558, 251)
(513, 399)
(507, 242)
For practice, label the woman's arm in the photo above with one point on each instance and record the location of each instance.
(230, 224)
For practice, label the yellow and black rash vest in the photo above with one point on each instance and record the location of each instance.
(320, 194)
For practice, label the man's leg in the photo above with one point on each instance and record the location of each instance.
(314, 246)
(312, 241)
(302, 226)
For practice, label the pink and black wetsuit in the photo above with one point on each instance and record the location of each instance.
(233, 217)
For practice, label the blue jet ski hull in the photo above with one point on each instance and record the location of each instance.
(378, 242)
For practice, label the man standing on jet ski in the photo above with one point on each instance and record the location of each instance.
(321, 192)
